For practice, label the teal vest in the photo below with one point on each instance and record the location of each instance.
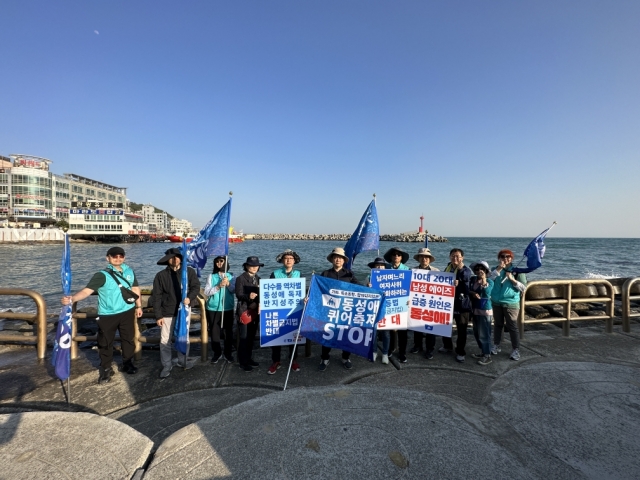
(280, 273)
(110, 301)
(214, 302)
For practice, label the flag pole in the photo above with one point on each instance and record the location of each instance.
(226, 264)
(376, 204)
(295, 345)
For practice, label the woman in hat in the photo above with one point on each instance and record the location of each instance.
(220, 289)
(288, 259)
(505, 298)
(384, 335)
(247, 293)
(424, 258)
(337, 258)
(480, 288)
(397, 259)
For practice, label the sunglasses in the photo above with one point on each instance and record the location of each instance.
(478, 269)
(505, 256)
(117, 255)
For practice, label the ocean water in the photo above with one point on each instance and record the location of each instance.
(37, 267)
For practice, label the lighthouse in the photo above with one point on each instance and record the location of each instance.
(421, 229)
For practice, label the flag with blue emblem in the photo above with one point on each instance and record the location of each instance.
(212, 240)
(61, 358)
(534, 253)
(343, 315)
(181, 332)
(366, 237)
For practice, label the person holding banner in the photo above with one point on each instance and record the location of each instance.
(288, 259)
(337, 258)
(220, 302)
(505, 297)
(397, 259)
(461, 304)
(167, 293)
(247, 311)
(384, 335)
(480, 290)
(424, 258)
(115, 313)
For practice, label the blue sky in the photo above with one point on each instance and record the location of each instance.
(492, 118)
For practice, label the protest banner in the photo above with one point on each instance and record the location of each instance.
(431, 302)
(395, 284)
(281, 304)
(343, 315)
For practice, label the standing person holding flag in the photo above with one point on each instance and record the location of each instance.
(61, 358)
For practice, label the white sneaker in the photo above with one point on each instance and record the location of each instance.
(515, 355)
(385, 359)
(375, 355)
(495, 349)
(166, 371)
(188, 365)
(460, 358)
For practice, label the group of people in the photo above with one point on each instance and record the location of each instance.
(482, 296)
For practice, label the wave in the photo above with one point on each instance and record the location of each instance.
(590, 275)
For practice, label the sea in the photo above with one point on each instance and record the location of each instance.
(37, 266)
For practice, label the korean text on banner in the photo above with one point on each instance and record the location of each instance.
(342, 315)
(431, 302)
(281, 305)
(395, 284)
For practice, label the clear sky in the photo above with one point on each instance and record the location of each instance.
(493, 118)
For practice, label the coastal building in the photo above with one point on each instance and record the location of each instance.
(179, 226)
(159, 222)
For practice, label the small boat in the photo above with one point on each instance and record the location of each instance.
(178, 236)
(235, 237)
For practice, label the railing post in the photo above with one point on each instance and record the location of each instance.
(41, 320)
(566, 326)
(608, 326)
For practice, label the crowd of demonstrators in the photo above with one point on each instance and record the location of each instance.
(219, 309)
(167, 295)
(288, 259)
(115, 313)
(481, 296)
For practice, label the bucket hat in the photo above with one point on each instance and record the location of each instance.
(253, 262)
(424, 252)
(377, 261)
(483, 264)
(296, 257)
(172, 252)
(338, 251)
(387, 256)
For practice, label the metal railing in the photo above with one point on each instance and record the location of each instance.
(626, 303)
(567, 301)
(203, 339)
(39, 318)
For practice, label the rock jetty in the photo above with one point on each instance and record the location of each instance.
(396, 237)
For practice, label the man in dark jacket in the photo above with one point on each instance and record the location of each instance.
(167, 294)
(337, 257)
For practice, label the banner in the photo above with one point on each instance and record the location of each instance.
(281, 305)
(395, 284)
(343, 315)
(431, 302)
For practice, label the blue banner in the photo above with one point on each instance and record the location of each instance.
(61, 358)
(281, 302)
(366, 237)
(181, 332)
(343, 315)
(212, 240)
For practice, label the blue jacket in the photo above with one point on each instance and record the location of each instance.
(484, 302)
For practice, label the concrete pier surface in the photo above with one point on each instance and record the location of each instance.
(570, 408)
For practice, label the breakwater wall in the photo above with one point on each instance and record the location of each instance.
(25, 235)
(395, 237)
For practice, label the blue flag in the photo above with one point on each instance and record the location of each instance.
(61, 358)
(366, 237)
(343, 315)
(212, 240)
(181, 332)
(534, 253)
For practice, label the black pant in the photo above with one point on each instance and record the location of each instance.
(417, 340)
(213, 327)
(326, 350)
(462, 322)
(247, 336)
(275, 353)
(402, 342)
(107, 326)
(430, 342)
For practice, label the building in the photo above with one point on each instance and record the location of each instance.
(158, 221)
(179, 226)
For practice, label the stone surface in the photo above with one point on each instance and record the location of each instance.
(55, 445)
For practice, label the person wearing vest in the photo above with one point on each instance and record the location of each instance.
(288, 259)
(220, 302)
(114, 313)
(383, 335)
(480, 291)
(505, 297)
(397, 258)
(424, 258)
(247, 293)
(337, 257)
(461, 304)
(167, 295)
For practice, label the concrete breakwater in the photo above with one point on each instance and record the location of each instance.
(395, 237)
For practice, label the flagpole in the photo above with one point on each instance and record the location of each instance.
(295, 345)
(376, 204)
(226, 264)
